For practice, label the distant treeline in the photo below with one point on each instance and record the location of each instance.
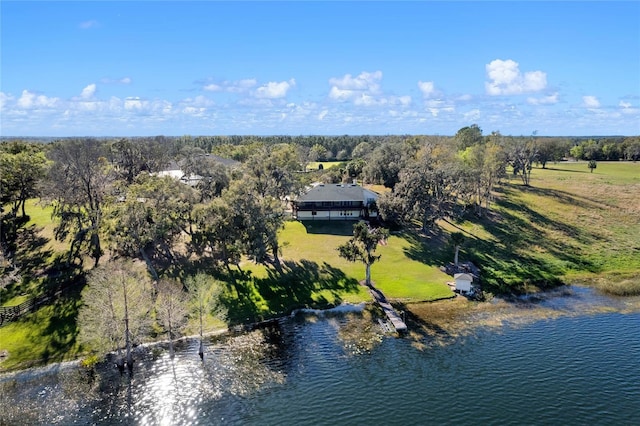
(341, 148)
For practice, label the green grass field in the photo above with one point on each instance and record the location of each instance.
(47, 335)
(569, 225)
(316, 276)
(396, 273)
(315, 165)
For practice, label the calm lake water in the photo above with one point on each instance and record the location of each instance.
(570, 359)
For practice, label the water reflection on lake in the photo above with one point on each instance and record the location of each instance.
(572, 357)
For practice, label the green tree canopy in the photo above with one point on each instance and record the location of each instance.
(362, 246)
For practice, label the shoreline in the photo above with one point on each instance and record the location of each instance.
(239, 328)
(453, 317)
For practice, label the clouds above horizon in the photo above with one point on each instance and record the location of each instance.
(353, 102)
(545, 100)
(274, 90)
(349, 88)
(123, 80)
(88, 92)
(364, 90)
(33, 101)
(427, 88)
(507, 79)
(238, 86)
(590, 102)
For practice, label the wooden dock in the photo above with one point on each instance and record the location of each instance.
(391, 313)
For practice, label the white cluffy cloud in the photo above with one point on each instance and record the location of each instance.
(350, 88)
(274, 90)
(545, 100)
(5, 99)
(237, 86)
(590, 102)
(427, 88)
(88, 92)
(506, 79)
(363, 90)
(30, 100)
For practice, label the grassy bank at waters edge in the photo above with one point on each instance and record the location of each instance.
(569, 225)
(47, 335)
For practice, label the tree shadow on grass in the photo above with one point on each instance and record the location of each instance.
(525, 246)
(528, 247)
(63, 327)
(432, 248)
(565, 170)
(330, 227)
(300, 285)
(33, 261)
(51, 331)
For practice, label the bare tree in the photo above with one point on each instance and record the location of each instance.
(522, 153)
(204, 294)
(172, 310)
(116, 305)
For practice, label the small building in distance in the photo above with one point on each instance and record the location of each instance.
(463, 282)
(175, 170)
(336, 202)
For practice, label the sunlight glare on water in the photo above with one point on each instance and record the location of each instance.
(571, 359)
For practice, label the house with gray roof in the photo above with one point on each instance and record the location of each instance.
(336, 202)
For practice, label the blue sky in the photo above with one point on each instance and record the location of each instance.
(122, 68)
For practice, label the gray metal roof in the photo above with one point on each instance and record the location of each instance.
(337, 192)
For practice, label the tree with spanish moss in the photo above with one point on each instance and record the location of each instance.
(427, 190)
(78, 186)
(362, 246)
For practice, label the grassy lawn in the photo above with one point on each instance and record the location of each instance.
(315, 276)
(569, 225)
(314, 165)
(40, 217)
(396, 274)
(37, 251)
(47, 335)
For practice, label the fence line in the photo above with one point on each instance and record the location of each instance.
(12, 313)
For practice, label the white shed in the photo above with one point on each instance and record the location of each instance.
(463, 282)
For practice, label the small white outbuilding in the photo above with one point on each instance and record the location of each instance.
(463, 282)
